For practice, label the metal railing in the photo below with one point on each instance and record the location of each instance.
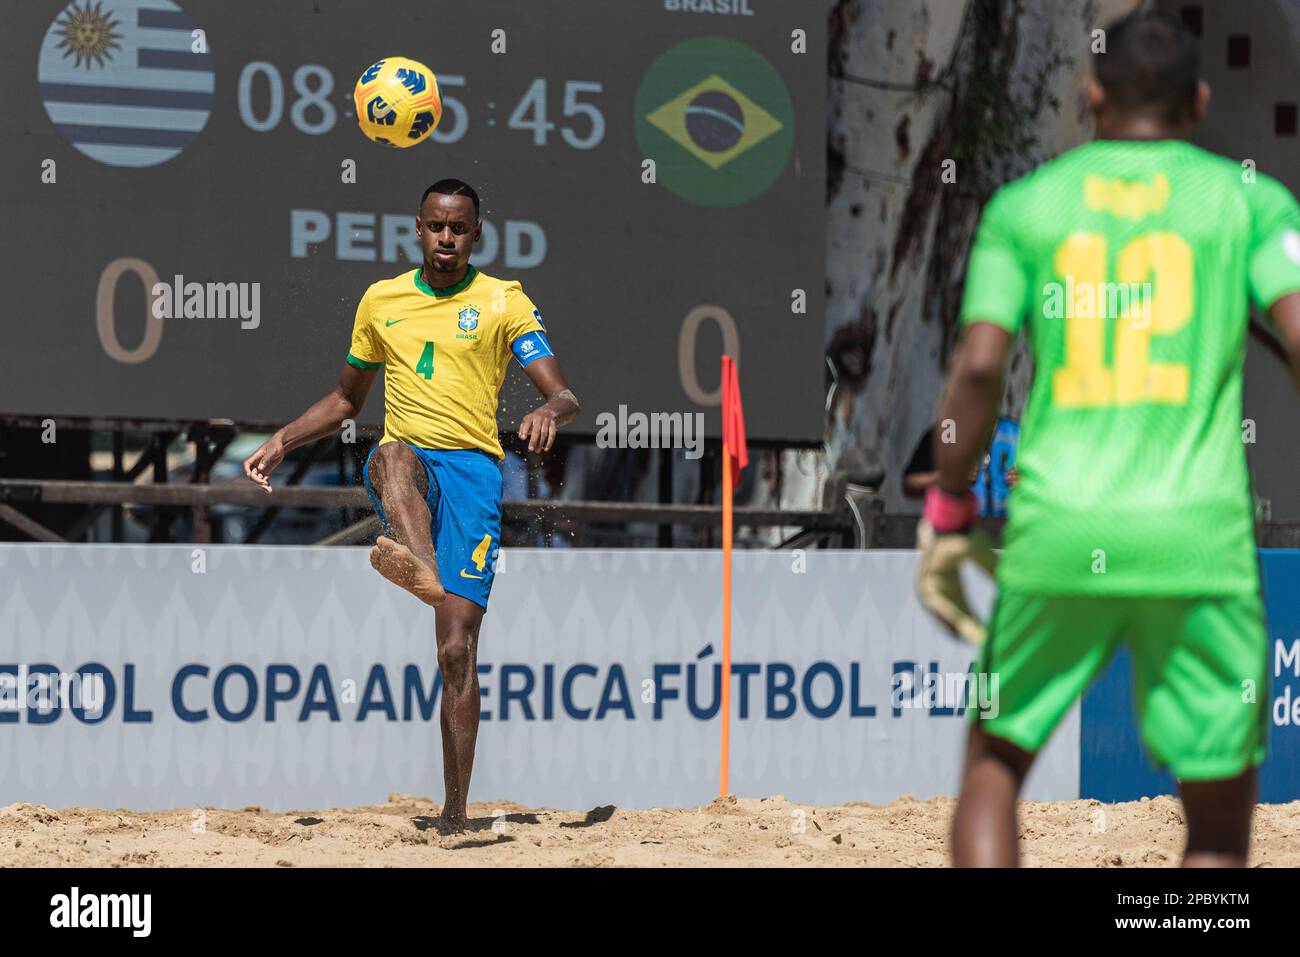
(836, 525)
(860, 522)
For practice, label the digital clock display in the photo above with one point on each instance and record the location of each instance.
(651, 173)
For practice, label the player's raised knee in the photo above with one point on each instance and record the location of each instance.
(393, 458)
(395, 461)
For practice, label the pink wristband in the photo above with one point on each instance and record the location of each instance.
(949, 513)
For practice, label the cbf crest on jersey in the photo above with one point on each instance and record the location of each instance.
(468, 318)
(125, 81)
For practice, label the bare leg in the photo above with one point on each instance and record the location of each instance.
(984, 829)
(1218, 820)
(458, 624)
(410, 561)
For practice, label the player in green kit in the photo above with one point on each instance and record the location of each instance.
(1128, 261)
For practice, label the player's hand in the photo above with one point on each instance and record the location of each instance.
(947, 537)
(539, 428)
(262, 463)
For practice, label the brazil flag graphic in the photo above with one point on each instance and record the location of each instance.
(716, 118)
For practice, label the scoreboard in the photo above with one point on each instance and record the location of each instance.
(192, 213)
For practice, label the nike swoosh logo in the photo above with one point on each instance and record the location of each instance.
(393, 322)
(463, 575)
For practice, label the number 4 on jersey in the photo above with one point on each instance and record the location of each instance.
(425, 366)
(479, 558)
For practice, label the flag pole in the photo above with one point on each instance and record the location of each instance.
(726, 617)
(733, 444)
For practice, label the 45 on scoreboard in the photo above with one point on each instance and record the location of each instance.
(262, 99)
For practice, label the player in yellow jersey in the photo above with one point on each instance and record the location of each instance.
(444, 335)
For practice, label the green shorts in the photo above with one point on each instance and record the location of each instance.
(1200, 670)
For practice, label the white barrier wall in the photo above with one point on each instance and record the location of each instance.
(298, 678)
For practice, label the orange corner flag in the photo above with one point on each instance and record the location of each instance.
(735, 457)
(733, 420)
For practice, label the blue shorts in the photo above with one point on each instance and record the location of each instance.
(464, 500)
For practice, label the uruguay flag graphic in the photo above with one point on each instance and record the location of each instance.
(121, 81)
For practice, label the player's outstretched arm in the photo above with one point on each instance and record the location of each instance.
(560, 408)
(946, 535)
(1285, 313)
(323, 418)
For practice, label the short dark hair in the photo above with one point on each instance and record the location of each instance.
(452, 187)
(1151, 65)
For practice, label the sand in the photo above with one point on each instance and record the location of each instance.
(772, 832)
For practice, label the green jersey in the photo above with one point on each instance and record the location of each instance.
(1130, 262)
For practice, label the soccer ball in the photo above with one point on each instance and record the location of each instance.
(398, 102)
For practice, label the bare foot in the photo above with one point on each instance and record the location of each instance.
(399, 565)
(453, 823)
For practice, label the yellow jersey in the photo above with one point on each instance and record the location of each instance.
(444, 354)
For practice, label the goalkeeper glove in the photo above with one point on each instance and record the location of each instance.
(946, 536)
